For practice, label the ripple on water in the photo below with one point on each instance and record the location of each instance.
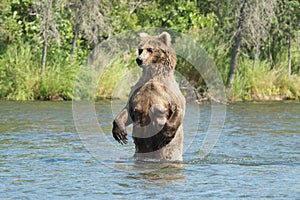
(257, 157)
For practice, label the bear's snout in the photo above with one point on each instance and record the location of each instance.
(139, 61)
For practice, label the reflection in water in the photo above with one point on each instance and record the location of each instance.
(132, 165)
(165, 174)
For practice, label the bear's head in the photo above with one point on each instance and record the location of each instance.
(155, 53)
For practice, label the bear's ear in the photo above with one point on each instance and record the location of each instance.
(165, 38)
(142, 35)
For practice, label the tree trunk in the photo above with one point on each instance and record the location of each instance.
(289, 56)
(256, 56)
(289, 45)
(236, 47)
(234, 59)
(289, 42)
(218, 14)
(44, 54)
(47, 14)
(271, 52)
(76, 32)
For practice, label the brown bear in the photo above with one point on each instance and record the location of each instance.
(156, 105)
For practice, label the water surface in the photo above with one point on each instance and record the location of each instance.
(43, 157)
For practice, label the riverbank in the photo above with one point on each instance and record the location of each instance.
(20, 79)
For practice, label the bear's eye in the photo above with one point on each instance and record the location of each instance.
(149, 50)
(140, 51)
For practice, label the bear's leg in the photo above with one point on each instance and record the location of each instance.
(119, 126)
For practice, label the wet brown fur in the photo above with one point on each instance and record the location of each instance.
(155, 106)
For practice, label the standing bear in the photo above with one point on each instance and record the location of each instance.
(156, 105)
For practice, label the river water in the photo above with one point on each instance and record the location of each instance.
(42, 156)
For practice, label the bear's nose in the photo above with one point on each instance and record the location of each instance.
(139, 61)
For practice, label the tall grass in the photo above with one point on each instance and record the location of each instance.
(262, 84)
(117, 79)
(58, 81)
(20, 77)
(19, 73)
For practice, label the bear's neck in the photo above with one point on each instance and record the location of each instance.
(157, 74)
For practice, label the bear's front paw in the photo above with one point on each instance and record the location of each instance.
(119, 134)
(167, 134)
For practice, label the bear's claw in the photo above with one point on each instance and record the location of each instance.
(119, 135)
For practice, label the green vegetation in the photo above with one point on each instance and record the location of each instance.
(255, 45)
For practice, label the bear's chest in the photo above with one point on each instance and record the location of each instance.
(149, 103)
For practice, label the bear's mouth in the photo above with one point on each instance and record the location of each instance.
(139, 61)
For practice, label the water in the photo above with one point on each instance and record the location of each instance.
(257, 156)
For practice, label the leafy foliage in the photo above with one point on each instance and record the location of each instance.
(268, 63)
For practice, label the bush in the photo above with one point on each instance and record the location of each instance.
(262, 84)
(20, 77)
(19, 73)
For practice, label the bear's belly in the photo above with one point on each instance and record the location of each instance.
(149, 121)
(171, 152)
